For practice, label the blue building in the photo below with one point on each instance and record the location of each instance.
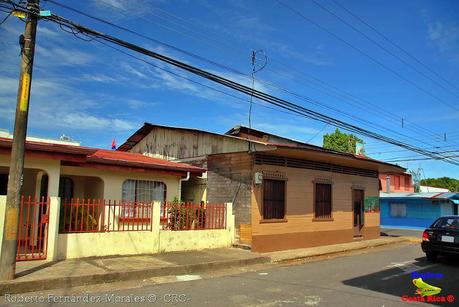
(416, 210)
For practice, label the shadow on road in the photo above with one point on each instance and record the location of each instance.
(397, 279)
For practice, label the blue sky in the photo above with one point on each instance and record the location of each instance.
(94, 94)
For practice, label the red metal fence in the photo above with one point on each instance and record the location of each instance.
(100, 215)
(33, 229)
(188, 216)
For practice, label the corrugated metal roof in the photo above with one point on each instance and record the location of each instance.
(148, 127)
(435, 195)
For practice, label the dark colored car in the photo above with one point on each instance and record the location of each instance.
(441, 238)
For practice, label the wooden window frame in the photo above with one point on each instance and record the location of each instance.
(276, 220)
(315, 218)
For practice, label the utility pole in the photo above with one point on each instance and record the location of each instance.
(255, 68)
(10, 227)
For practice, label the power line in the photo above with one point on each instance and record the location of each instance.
(193, 81)
(396, 45)
(243, 89)
(420, 159)
(307, 99)
(376, 61)
(4, 19)
(383, 47)
(302, 97)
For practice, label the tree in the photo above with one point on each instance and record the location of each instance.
(340, 141)
(443, 182)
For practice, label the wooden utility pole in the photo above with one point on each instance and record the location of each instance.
(10, 227)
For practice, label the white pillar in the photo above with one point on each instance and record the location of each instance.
(2, 216)
(230, 223)
(156, 226)
(53, 228)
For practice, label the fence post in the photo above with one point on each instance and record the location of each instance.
(156, 226)
(230, 223)
(53, 228)
(2, 216)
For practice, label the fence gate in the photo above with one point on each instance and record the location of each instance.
(33, 229)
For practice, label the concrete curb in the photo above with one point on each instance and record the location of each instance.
(334, 252)
(14, 287)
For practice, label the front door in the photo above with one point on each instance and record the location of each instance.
(357, 200)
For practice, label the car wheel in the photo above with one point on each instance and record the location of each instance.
(431, 256)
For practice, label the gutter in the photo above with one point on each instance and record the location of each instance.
(180, 185)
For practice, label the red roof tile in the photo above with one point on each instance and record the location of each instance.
(103, 156)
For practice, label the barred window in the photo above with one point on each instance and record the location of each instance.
(323, 201)
(143, 191)
(273, 199)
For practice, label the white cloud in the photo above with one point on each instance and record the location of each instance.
(8, 86)
(446, 37)
(58, 56)
(286, 129)
(102, 78)
(137, 104)
(127, 8)
(55, 104)
(86, 121)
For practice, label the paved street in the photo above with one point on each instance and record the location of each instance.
(402, 232)
(378, 277)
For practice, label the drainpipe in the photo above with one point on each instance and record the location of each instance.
(180, 185)
(388, 184)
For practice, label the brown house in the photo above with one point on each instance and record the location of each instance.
(286, 194)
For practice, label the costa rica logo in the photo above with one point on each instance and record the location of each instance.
(424, 289)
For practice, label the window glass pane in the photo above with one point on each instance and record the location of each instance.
(448, 223)
(143, 191)
(398, 210)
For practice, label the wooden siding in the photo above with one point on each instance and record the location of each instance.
(181, 144)
(230, 180)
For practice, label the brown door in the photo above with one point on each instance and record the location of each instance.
(357, 200)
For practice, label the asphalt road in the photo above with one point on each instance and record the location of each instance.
(378, 277)
(397, 232)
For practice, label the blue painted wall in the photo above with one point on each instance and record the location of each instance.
(420, 213)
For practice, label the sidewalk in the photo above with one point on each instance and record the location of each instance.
(42, 275)
(302, 253)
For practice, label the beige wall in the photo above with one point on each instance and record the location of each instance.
(88, 187)
(50, 167)
(300, 212)
(79, 245)
(113, 180)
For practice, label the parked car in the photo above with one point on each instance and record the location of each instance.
(441, 238)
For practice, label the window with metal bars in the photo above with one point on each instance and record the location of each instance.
(323, 201)
(142, 191)
(273, 199)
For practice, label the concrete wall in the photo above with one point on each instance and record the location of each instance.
(405, 183)
(230, 180)
(79, 245)
(50, 167)
(420, 213)
(2, 216)
(299, 229)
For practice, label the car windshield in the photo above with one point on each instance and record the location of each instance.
(447, 223)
